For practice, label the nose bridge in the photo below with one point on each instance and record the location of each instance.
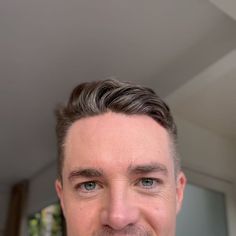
(120, 209)
(118, 198)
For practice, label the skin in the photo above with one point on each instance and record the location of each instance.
(118, 178)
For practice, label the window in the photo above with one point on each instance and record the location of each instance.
(203, 213)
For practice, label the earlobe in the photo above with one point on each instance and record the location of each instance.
(181, 183)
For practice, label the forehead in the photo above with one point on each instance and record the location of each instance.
(114, 138)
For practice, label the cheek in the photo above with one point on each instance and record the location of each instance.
(161, 216)
(79, 215)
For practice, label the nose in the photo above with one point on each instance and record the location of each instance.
(120, 210)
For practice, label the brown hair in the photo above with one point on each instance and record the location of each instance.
(98, 97)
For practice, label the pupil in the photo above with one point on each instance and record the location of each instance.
(89, 186)
(147, 182)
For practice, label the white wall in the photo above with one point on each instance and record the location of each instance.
(209, 161)
(206, 151)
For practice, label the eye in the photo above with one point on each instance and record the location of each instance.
(88, 187)
(148, 183)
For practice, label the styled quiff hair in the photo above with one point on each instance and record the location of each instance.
(98, 97)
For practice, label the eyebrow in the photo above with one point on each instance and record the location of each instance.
(148, 168)
(85, 173)
(135, 170)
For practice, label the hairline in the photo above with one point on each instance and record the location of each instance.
(171, 141)
(94, 98)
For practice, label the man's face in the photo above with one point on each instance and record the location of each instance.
(118, 178)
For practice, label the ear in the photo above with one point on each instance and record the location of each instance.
(59, 190)
(180, 187)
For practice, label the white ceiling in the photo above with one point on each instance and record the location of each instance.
(206, 117)
(47, 47)
(209, 99)
(227, 6)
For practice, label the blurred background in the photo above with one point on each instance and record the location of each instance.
(184, 50)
